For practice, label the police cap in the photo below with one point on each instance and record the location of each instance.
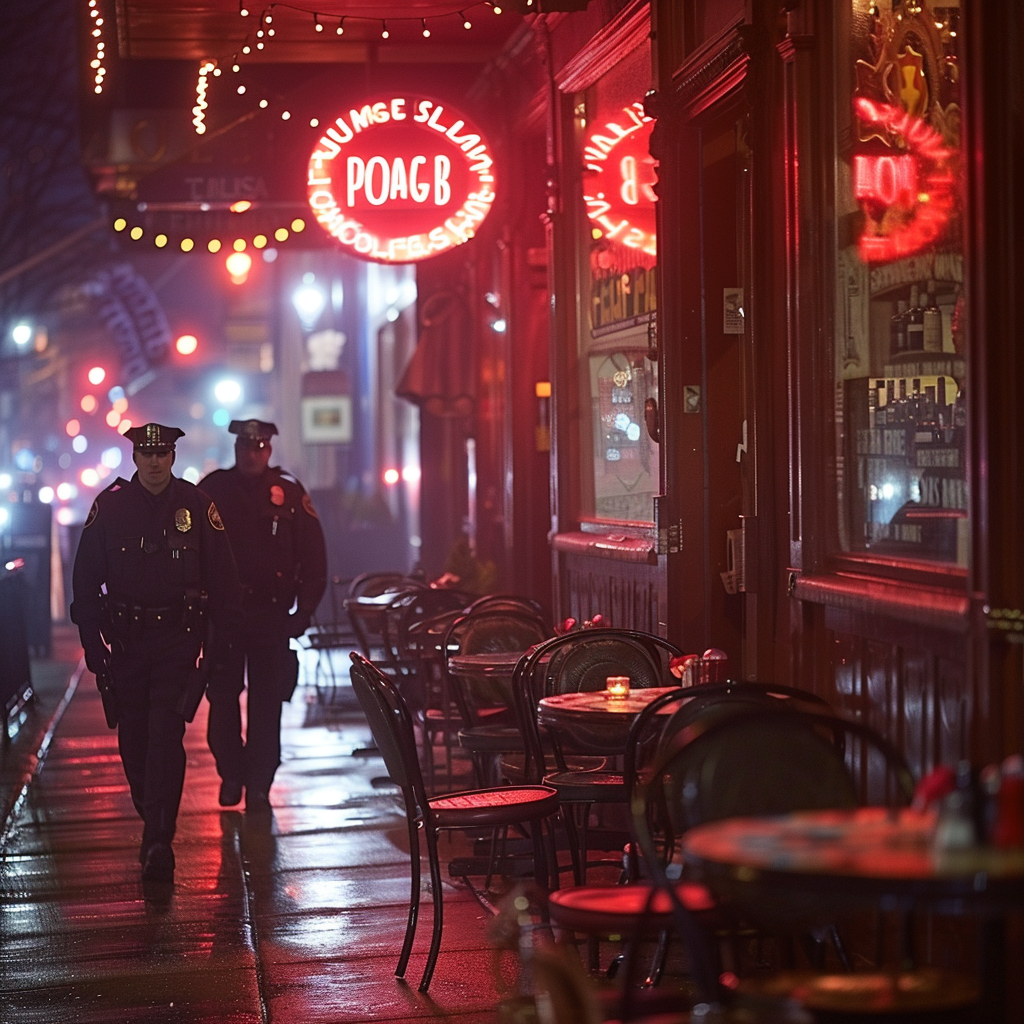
(153, 437)
(254, 432)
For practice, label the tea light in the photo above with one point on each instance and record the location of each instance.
(617, 686)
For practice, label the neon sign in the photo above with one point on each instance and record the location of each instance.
(401, 179)
(618, 181)
(907, 197)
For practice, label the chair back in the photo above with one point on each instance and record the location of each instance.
(391, 725)
(759, 760)
(409, 608)
(511, 603)
(582, 661)
(485, 632)
(577, 662)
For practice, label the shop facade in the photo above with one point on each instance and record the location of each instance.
(782, 258)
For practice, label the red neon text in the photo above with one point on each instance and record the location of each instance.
(907, 198)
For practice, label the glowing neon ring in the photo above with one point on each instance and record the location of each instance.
(401, 179)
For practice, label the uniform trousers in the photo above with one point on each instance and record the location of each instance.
(149, 677)
(260, 658)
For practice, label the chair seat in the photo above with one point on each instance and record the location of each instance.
(875, 992)
(588, 786)
(490, 807)
(622, 909)
(491, 739)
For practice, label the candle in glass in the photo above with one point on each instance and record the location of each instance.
(617, 686)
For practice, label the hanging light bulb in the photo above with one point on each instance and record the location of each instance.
(426, 31)
(384, 30)
(242, 9)
(341, 27)
(317, 27)
(466, 23)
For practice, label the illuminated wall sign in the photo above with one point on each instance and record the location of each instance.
(618, 180)
(906, 192)
(401, 179)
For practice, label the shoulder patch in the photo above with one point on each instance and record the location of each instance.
(308, 506)
(91, 517)
(214, 516)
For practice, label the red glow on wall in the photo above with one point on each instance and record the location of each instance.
(401, 179)
(907, 197)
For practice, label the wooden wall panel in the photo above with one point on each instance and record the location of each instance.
(626, 595)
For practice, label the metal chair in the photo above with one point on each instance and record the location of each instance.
(576, 662)
(487, 723)
(760, 762)
(367, 618)
(496, 808)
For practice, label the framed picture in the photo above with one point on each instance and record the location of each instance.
(327, 419)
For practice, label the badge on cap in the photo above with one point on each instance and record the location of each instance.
(183, 520)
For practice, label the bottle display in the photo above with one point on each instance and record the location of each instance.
(898, 329)
(932, 322)
(915, 322)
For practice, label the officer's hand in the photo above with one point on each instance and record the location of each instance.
(97, 658)
(298, 623)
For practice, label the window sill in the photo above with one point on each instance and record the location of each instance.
(916, 603)
(607, 545)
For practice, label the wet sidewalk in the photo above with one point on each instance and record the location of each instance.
(295, 918)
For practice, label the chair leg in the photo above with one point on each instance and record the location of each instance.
(438, 896)
(414, 898)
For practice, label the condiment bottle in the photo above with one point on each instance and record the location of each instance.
(1008, 831)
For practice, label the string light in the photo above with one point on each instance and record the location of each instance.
(242, 9)
(341, 27)
(316, 23)
(384, 33)
(426, 31)
(199, 110)
(100, 72)
(214, 245)
(466, 23)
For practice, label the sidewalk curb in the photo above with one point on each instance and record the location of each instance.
(34, 762)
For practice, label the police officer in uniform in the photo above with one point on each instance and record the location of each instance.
(282, 562)
(153, 566)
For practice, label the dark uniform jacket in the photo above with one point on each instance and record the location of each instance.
(151, 551)
(276, 537)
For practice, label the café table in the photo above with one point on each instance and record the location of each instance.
(488, 674)
(817, 865)
(597, 718)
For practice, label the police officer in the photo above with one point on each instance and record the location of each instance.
(282, 562)
(157, 546)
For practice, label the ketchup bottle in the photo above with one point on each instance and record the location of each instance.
(1009, 825)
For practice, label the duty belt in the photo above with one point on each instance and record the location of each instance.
(142, 616)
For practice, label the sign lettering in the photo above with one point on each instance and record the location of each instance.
(401, 179)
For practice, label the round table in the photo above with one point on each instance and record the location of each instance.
(597, 719)
(815, 865)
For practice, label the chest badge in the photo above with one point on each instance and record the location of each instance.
(276, 495)
(183, 520)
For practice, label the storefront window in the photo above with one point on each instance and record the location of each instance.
(619, 250)
(902, 389)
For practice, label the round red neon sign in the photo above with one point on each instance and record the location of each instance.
(401, 179)
(618, 179)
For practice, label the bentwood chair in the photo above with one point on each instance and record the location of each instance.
(572, 663)
(496, 808)
(757, 762)
(488, 727)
